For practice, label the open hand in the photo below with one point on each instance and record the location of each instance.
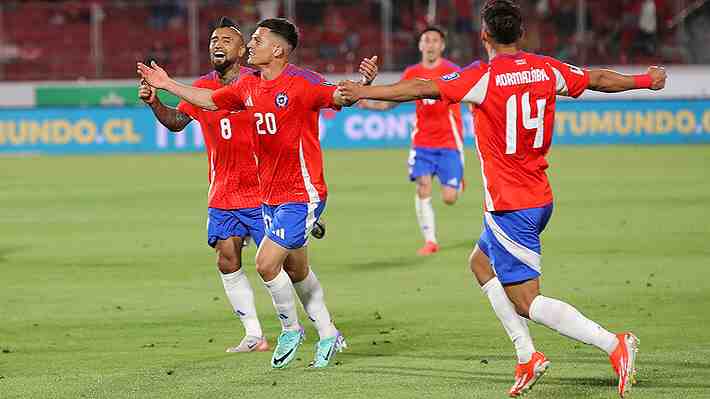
(154, 75)
(368, 69)
(658, 77)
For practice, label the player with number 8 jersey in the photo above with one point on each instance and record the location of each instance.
(283, 103)
(234, 205)
(232, 170)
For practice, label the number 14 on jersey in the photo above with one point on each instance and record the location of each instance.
(511, 121)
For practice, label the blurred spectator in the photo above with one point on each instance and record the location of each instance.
(164, 12)
(464, 16)
(647, 27)
(160, 53)
(339, 33)
(11, 53)
(268, 9)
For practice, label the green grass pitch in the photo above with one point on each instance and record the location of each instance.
(108, 290)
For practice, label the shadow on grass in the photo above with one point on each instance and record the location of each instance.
(7, 251)
(444, 374)
(474, 373)
(402, 261)
(409, 261)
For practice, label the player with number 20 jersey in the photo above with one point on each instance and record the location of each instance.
(284, 112)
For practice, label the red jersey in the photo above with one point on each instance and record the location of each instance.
(514, 99)
(284, 118)
(232, 168)
(438, 123)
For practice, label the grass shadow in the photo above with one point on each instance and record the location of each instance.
(7, 251)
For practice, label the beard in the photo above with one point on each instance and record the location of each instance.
(223, 66)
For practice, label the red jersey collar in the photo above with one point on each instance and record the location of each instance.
(267, 84)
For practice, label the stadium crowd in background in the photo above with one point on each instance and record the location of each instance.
(614, 32)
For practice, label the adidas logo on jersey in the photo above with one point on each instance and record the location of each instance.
(521, 78)
(249, 102)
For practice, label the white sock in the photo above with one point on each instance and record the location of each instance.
(569, 322)
(311, 294)
(281, 291)
(425, 217)
(515, 326)
(241, 296)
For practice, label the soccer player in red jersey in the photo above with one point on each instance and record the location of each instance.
(514, 97)
(437, 138)
(233, 198)
(283, 102)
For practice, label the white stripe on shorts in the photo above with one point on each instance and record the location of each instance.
(310, 218)
(524, 254)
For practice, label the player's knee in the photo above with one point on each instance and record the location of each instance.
(227, 263)
(449, 197)
(480, 266)
(424, 189)
(476, 261)
(296, 276)
(522, 306)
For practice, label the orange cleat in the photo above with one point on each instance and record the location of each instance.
(526, 375)
(623, 360)
(428, 249)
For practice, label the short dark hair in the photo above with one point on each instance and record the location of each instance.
(504, 20)
(432, 28)
(282, 27)
(225, 22)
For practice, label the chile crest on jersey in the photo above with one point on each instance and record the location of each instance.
(281, 100)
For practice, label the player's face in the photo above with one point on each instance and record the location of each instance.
(263, 47)
(226, 47)
(432, 46)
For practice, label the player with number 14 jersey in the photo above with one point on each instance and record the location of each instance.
(514, 94)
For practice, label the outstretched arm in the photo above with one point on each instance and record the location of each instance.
(170, 117)
(405, 90)
(376, 105)
(608, 81)
(158, 78)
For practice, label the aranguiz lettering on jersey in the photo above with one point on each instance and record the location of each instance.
(281, 100)
(451, 76)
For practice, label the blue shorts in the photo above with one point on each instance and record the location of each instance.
(511, 239)
(445, 163)
(223, 224)
(289, 225)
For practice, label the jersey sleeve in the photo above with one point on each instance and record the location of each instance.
(229, 97)
(571, 81)
(468, 85)
(320, 95)
(188, 109)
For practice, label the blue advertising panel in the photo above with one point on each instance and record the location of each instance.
(114, 130)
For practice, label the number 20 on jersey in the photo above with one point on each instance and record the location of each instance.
(265, 123)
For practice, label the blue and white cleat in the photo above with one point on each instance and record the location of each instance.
(326, 349)
(286, 346)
